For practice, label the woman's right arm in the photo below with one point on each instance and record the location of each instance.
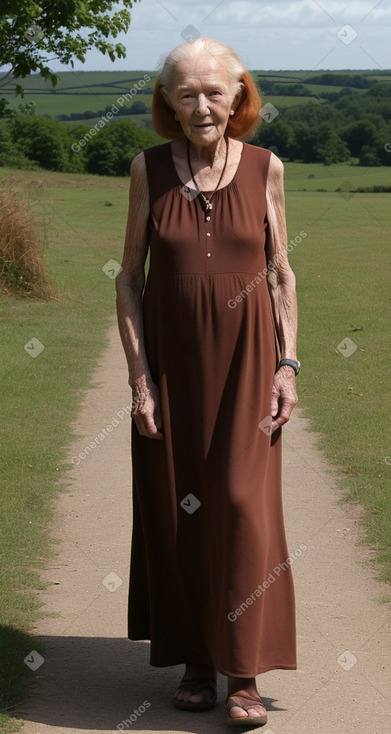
(129, 287)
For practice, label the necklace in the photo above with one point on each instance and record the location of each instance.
(206, 204)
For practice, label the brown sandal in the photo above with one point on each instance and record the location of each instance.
(195, 686)
(245, 702)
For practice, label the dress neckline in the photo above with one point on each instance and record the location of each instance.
(221, 188)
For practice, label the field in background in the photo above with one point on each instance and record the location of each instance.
(316, 177)
(342, 266)
(40, 394)
(94, 90)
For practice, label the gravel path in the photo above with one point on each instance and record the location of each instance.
(94, 679)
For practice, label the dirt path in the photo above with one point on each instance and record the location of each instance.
(94, 679)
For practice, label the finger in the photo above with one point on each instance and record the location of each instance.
(157, 434)
(274, 404)
(152, 430)
(158, 419)
(284, 414)
(146, 427)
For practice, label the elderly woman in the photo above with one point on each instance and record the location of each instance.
(210, 344)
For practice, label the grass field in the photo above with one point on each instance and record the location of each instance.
(342, 267)
(40, 395)
(79, 91)
(316, 177)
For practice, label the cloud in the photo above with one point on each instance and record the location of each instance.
(283, 34)
(263, 13)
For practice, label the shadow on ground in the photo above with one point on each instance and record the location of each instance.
(104, 683)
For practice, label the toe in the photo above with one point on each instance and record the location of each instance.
(256, 711)
(236, 712)
(197, 697)
(203, 696)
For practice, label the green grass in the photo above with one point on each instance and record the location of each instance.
(138, 119)
(79, 91)
(40, 396)
(342, 268)
(313, 177)
(283, 101)
(58, 104)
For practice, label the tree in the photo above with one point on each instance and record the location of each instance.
(32, 34)
(330, 148)
(279, 135)
(46, 142)
(111, 152)
(138, 108)
(10, 154)
(305, 141)
(357, 134)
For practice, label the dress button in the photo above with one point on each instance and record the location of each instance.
(208, 254)
(208, 234)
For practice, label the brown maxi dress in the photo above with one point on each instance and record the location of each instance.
(208, 526)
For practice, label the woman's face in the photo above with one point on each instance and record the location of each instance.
(202, 95)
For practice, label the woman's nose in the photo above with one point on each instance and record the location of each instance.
(202, 105)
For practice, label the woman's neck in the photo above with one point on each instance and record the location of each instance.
(210, 154)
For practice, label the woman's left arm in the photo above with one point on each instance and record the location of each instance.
(282, 288)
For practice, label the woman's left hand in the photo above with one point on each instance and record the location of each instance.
(284, 396)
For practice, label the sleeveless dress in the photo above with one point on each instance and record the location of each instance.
(210, 578)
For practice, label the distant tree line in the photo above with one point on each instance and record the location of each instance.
(28, 142)
(136, 108)
(357, 126)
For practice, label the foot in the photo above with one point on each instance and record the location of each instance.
(194, 676)
(244, 702)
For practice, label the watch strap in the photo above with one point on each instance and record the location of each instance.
(290, 363)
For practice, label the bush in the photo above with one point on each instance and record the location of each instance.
(369, 157)
(22, 261)
(10, 155)
(111, 151)
(46, 142)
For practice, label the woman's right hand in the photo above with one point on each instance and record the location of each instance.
(146, 410)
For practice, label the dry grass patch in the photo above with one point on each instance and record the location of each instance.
(24, 216)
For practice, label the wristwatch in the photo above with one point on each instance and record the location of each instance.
(291, 363)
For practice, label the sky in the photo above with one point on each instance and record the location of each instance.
(267, 34)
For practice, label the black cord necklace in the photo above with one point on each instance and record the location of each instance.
(205, 201)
